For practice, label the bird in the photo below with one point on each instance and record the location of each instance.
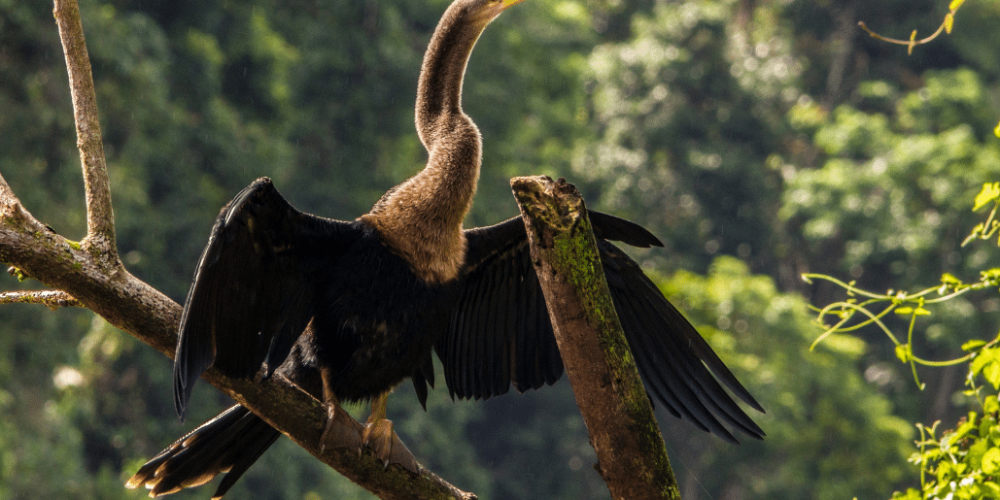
(348, 310)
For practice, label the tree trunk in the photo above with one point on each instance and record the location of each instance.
(631, 454)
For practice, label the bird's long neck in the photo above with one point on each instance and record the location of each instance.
(439, 92)
(421, 219)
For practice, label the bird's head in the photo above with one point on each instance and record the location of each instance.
(481, 12)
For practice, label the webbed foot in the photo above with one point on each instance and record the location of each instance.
(381, 439)
(341, 431)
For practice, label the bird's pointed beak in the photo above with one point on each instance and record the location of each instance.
(509, 3)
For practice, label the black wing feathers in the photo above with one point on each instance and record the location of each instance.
(250, 298)
(500, 331)
(671, 369)
(611, 228)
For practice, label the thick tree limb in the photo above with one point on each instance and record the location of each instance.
(91, 273)
(630, 451)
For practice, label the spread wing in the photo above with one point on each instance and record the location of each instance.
(500, 332)
(675, 362)
(251, 297)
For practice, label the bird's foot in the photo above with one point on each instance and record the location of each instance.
(342, 431)
(380, 438)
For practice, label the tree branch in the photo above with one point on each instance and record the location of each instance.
(91, 274)
(53, 299)
(100, 237)
(631, 455)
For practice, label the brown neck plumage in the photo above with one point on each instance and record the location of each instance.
(439, 92)
(421, 219)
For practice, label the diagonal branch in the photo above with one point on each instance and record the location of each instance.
(90, 273)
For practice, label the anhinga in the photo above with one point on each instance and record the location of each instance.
(348, 310)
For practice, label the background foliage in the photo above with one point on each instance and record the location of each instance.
(759, 139)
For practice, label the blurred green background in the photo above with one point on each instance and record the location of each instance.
(758, 139)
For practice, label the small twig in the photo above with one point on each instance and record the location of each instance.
(946, 25)
(100, 216)
(902, 303)
(53, 299)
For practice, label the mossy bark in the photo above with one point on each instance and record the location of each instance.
(631, 454)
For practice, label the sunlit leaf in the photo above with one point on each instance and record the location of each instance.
(992, 374)
(991, 405)
(972, 345)
(963, 429)
(955, 4)
(992, 489)
(991, 276)
(990, 192)
(904, 353)
(991, 461)
(949, 21)
(982, 358)
(976, 452)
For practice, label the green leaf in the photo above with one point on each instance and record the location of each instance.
(961, 467)
(992, 374)
(991, 461)
(964, 429)
(995, 435)
(944, 471)
(991, 276)
(976, 452)
(982, 358)
(904, 352)
(911, 494)
(990, 192)
(991, 405)
(906, 311)
(972, 345)
(992, 489)
(950, 279)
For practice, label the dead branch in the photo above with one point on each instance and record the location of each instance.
(631, 454)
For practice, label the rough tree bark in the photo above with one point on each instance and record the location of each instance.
(89, 274)
(631, 454)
